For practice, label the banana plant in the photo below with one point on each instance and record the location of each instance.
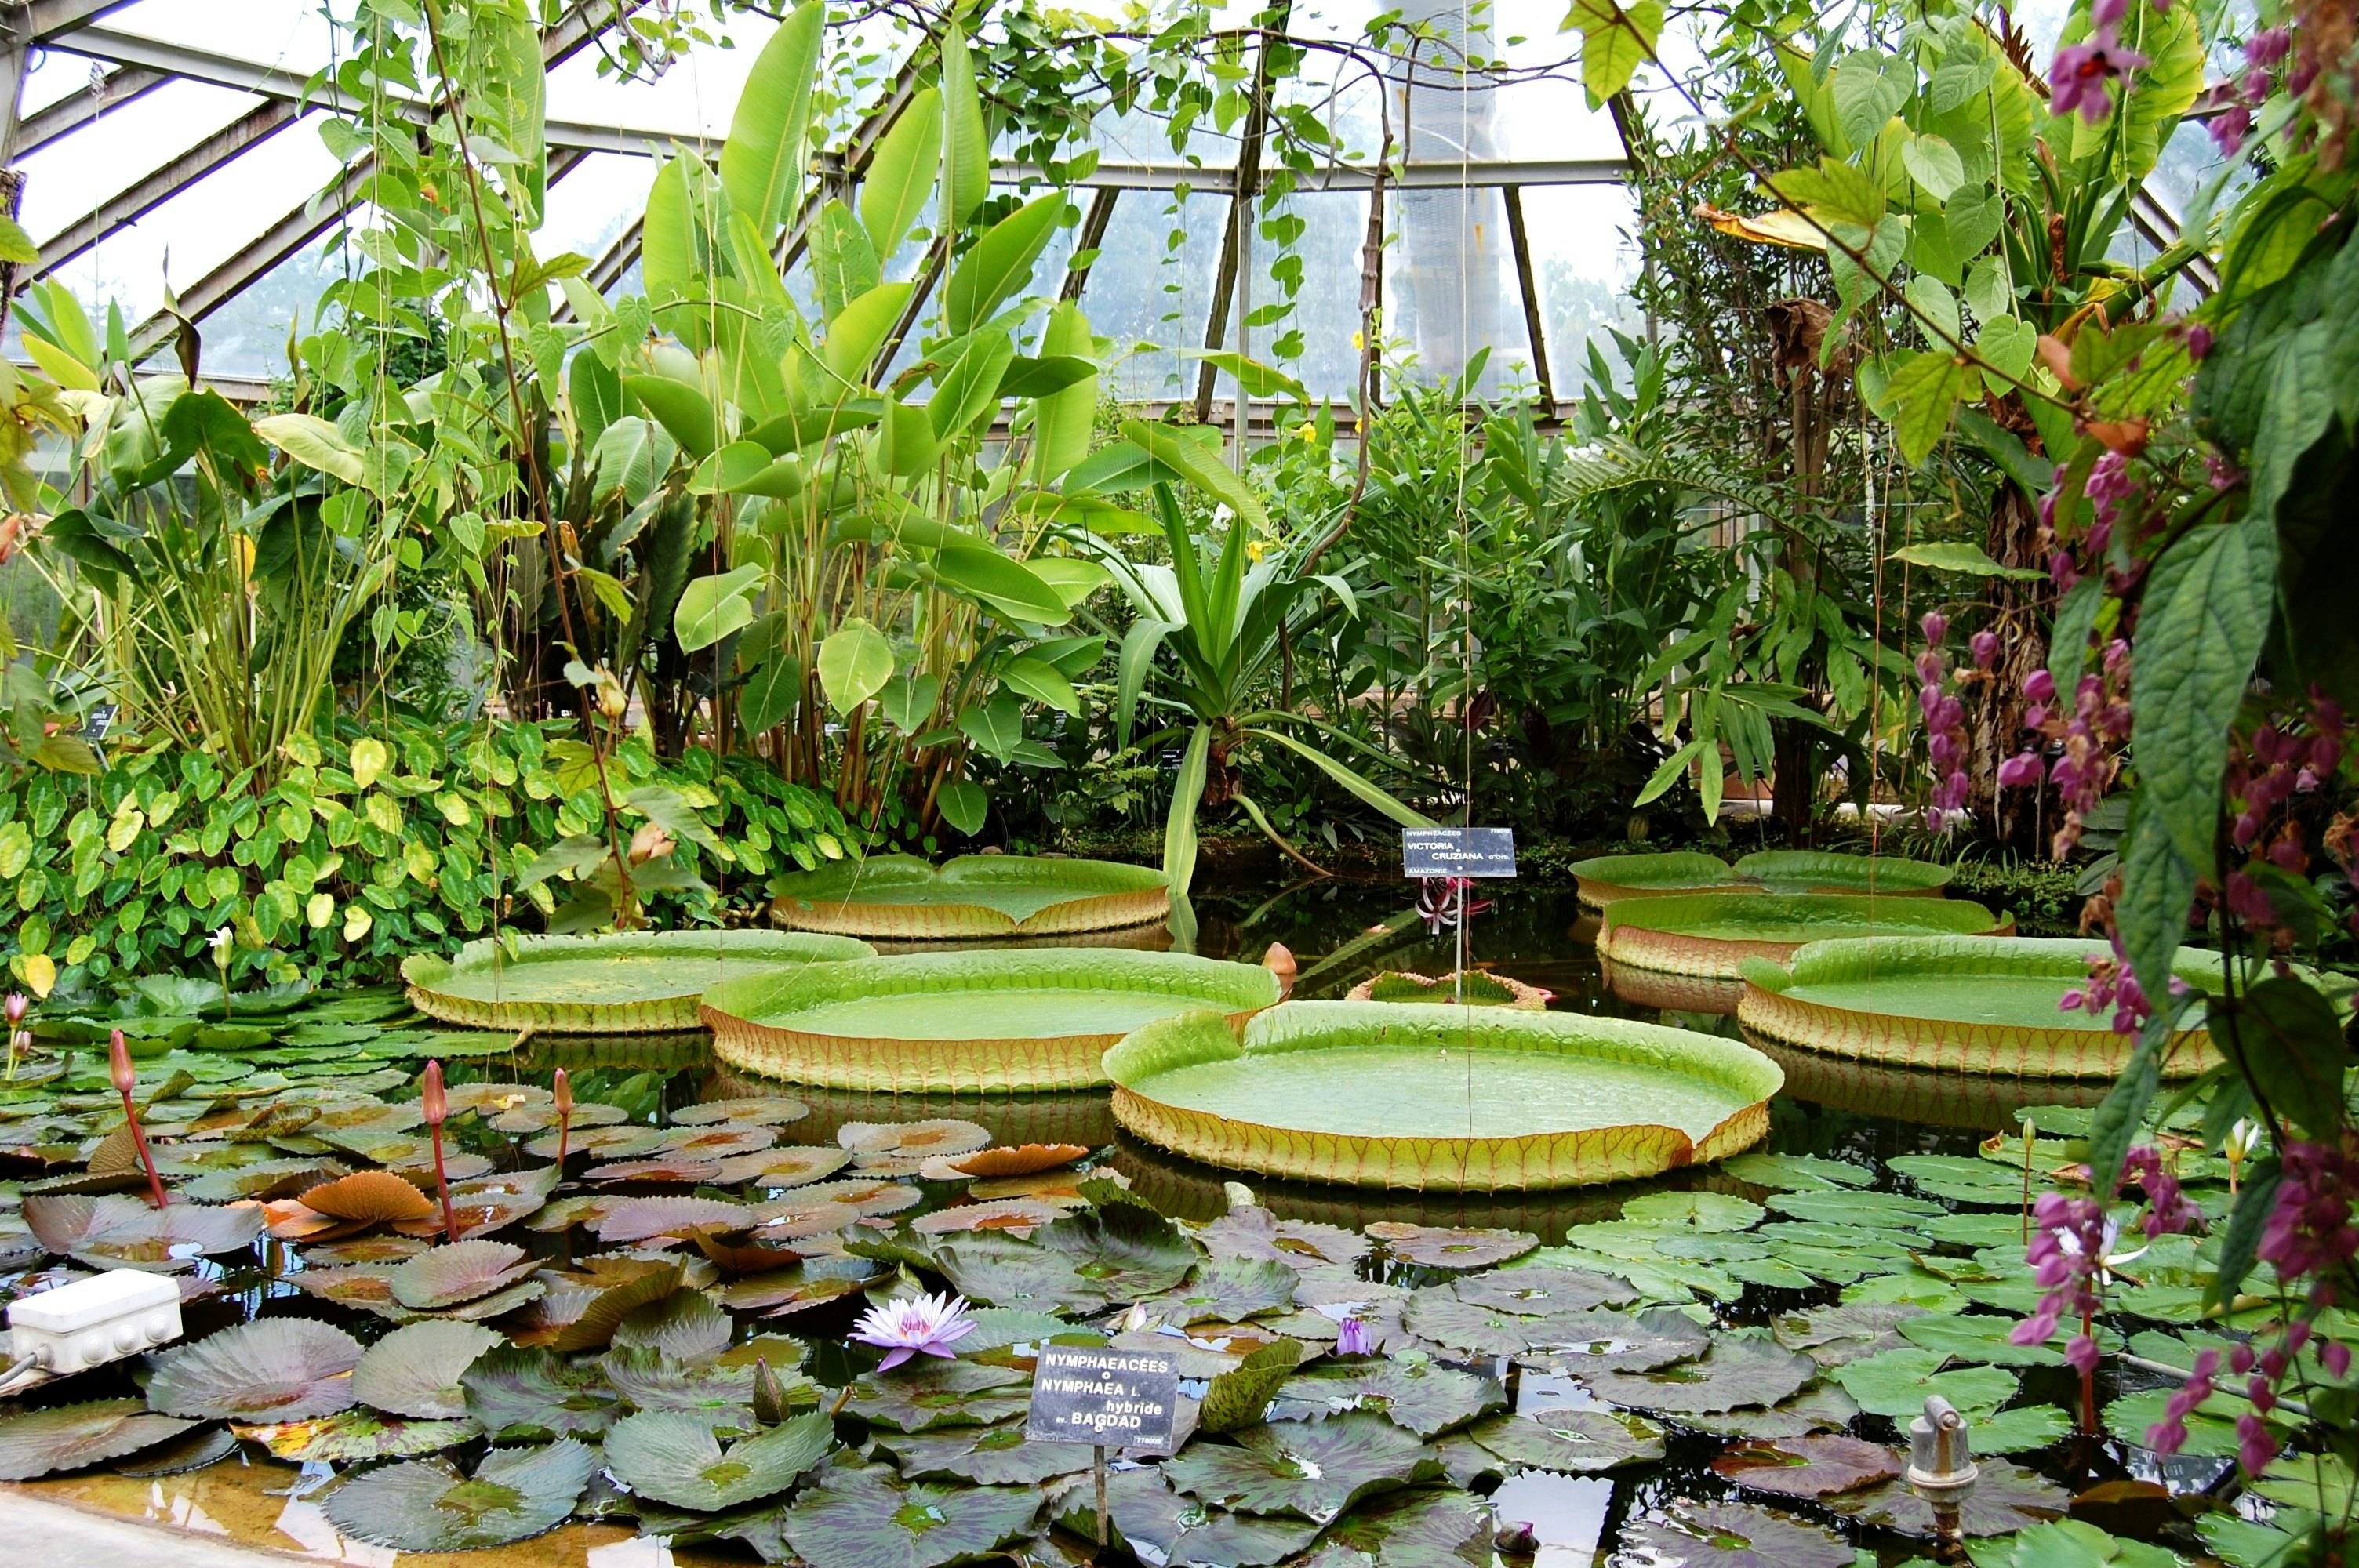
(1226, 619)
(821, 549)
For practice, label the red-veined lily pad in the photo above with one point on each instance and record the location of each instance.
(193, 1450)
(737, 1255)
(870, 1197)
(1017, 1160)
(66, 1437)
(413, 1371)
(274, 1368)
(770, 1110)
(1314, 1470)
(1250, 1231)
(663, 1168)
(491, 1099)
(2004, 1499)
(582, 1310)
(673, 1457)
(919, 1138)
(931, 1393)
(1733, 1535)
(108, 1231)
(1422, 1396)
(487, 1203)
(783, 1291)
(987, 1455)
(684, 1325)
(427, 1506)
(791, 1166)
(1163, 1526)
(566, 1213)
(615, 1142)
(1021, 1215)
(724, 1142)
(356, 1437)
(1538, 1291)
(1443, 1246)
(363, 1250)
(535, 1394)
(1808, 1466)
(368, 1286)
(641, 1219)
(866, 1518)
(533, 1117)
(1734, 1374)
(444, 1277)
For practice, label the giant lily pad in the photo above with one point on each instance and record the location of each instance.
(1426, 1398)
(987, 1455)
(66, 1437)
(1959, 1004)
(1733, 1535)
(427, 1506)
(1174, 1529)
(903, 898)
(1608, 878)
(1492, 1098)
(1733, 1373)
(865, 1518)
(1801, 872)
(534, 1394)
(271, 1370)
(1808, 1466)
(1312, 1469)
(1682, 951)
(633, 983)
(674, 1458)
(967, 1022)
(415, 1371)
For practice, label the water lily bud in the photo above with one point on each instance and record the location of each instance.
(612, 701)
(18, 1003)
(430, 1094)
(769, 1400)
(563, 1087)
(118, 1059)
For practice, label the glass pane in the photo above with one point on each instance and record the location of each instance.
(291, 34)
(595, 201)
(1449, 289)
(1152, 288)
(1583, 263)
(247, 337)
(74, 174)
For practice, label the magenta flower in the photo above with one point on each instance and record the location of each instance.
(925, 1326)
(1353, 1338)
(2039, 686)
(2083, 75)
(1984, 646)
(2023, 768)
(17, 1004)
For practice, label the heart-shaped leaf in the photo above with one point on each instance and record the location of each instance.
(1422, 1396)
(1735, 1373)
(923, 1395)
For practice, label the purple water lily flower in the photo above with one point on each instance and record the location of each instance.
(1353, 1338)
(925, 1326)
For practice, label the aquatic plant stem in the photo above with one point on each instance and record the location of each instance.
(438, 1109)
(125, 1080)
(563, 1089)
(2088, 1382)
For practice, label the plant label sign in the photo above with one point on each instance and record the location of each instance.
(1458, 851)
(1108, 1397)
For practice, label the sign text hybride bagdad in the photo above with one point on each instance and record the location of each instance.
(1114, 1398)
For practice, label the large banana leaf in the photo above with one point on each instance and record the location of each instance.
(762, 161)
(901, 174)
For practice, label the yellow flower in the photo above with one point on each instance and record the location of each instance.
(1255, 548)
(1359, 343)
(1307, 430)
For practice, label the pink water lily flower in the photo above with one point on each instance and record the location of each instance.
(925, 1326)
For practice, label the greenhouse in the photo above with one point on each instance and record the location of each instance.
(1467, 786)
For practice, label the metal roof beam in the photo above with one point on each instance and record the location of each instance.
(164, 181)
(41, 20)
(120, 86)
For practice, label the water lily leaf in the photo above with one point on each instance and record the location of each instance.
(1238, 1396)
(534, 1394)
(273, 1369)
(1541, 1289)
(106, 1230)
(1312, 1469)
(1696, 1209)
(463, 1272)
(673, 1457)
(1733, 1535)
(582, 1310)
(1000, 1328)
(415, 1371)
(1021, 1160)
(66, 1437)
(618, 1142)
(193, 1450)
(1883, 1211)
(1733, 1373)
(367, 1286)
(1573, 1441)
(641, 1219)
(1161, 1525)
(786, 1167)
(721, 1397)
(1250, 1231)
(1586, 1344)
(355, 1437)
(1227, 1290)
(1978, 1338)
(263, 1179)
(2028, 1427)
(864, 1519)
(770, 1110)
(684, 1325)
(1441, 1247)
(370, 1197)
(1422, 1396)
(942, 1137)
(871, 1197)
(2004, 1499)
(1840, 1334)
(1895, 1383)
(924, 1394)
(1798, 1172)
(1962, 1178)
(1439, 1316)
(1821, 1407)
(1127, 1251)
(1022, 1216)
(427, 1506)
(987, 1455)
(723, 1141)
(1808, 1466)
(662, 1168)
(490, 1202)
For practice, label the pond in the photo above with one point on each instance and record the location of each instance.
(1818, 1261)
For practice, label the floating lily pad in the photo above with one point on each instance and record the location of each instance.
(720, 1397)
(66, 1437)
(415, 1371)
(192, 1450)
(1312, 1469)
(1426, 1398)
(639, 1219)
(627, 1141)
(1607, 879)
(987, 1455)
(1977, 1337)
(427, 1506)
(1227, 1290)
(273, 1369)
(535, 1394)
(107, 1231)
(447, 1276)
(582, 1310)
(939, 1137)
(865, 1196)
(633, 983)
(1589, 1344)
(1572, 1442)
(1840, 1334)
(2023, 1429)
(674, 1458)
(1172, 1528)
(1023, 1160)
(786, 1167)
(724, 1142)
(866, 1518)
(1798, 1172)
(684, 1325)
(1426, 1526)
(904, 899)
(1895, 1383)
(1685, 949)
(489, 1202)
(1808, 1466)
(370, 1197)
(1251, 1231)
(1734, 1374)
(1022, 1216)
(1238, 1396)
(1441, 1247)
(1733, 1535)
(1539, 1289)
(767, 1111)
(1124, 1250)
(357, 1437)
(2004, 1499)
(929, 1393)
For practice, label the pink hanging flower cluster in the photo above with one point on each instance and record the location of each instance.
(2112, 988)
(2092, 740)
(2083, 75)
(2168, 1209)
(2068, 1258)
(1945, 719)
(2169, 1435)
(2267, 775)
(2264, 52)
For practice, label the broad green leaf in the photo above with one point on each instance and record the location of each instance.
(762, 161)
(844, 264)
(906, 441)
(966, 140)
(1369, 794)
(967, 391)
(855, 334)
(1063, 421)
(854, 663)
(2285, 1037)
(1042, 683)
(1869, 87)
(1919, 400)
(632, 455)
(771, 692)
(1932, 301)
(1934, 164)
(16, 246)
(682, 410)
(668, 234)
(1616, 41)
(901, 174)
(1004, 583)
(315, 443)
(1960, 555)
(964, 806)
(711, 608)
(1202, 468)
(1257, 379)
(1001, 261)
(1180, 823)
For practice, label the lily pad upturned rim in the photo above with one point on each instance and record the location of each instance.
(661, 1010)
(1105, 895)
(753, 1019)
(1706, 934)
(1573, 1158)
(1829, 871)
(1602, 879)
(1808, 1003)
(268, 1369)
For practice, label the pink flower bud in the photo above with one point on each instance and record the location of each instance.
(17, 1004)
(1935, 626)
(118, 1061)
(430, 1096)
(2039, 686)
(2023, 768)
(1984, 647)
(2335, 1357)
(2198, 339)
